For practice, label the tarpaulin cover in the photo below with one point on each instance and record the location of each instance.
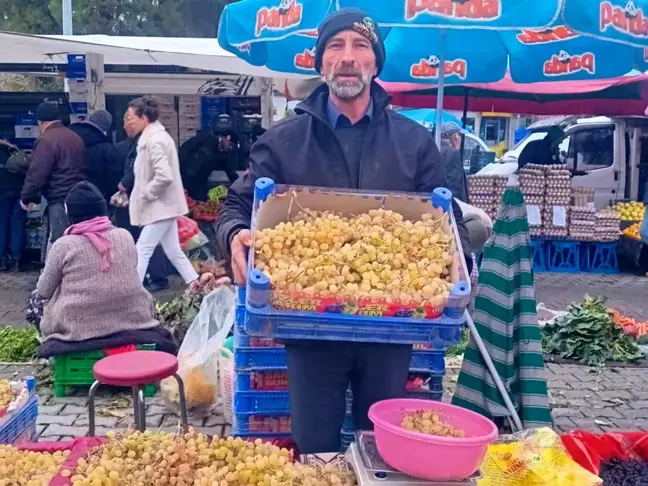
(78, 448)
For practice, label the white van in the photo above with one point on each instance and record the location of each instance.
(604, 154)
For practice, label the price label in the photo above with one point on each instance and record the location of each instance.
(560, 216)
(533, 215)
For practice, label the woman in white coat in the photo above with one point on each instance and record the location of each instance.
(157, 199)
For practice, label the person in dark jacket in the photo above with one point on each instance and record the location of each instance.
(203, 154)
(104, 166)
(157, 272)
(12, 217)
(343, 135)
(543, 152)
(451, 156)
(57, 165)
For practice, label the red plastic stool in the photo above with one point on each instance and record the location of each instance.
(136, 369)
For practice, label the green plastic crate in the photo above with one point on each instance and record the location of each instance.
(75, 369)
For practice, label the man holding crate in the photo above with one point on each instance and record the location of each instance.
(343, 135)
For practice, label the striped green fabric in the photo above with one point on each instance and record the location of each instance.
(505, 317)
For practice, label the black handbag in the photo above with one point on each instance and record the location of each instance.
(18, 161)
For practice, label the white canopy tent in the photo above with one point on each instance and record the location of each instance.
(204, 54)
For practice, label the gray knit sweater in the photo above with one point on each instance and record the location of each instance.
(86, 303)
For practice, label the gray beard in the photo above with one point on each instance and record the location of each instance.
(348, 90)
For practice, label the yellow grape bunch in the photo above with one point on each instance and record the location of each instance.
(160, 459)
(18, 468)
(377, 255)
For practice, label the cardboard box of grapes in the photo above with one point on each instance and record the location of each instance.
(342, 253)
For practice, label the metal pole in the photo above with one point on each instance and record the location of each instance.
(439, 106)
(464, 120)
(491, 368)
(67, 17)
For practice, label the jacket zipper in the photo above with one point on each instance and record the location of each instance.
(339, 146)
(372, 126)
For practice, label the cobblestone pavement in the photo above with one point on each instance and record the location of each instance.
(595, 400)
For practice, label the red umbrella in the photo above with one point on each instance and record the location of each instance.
(623, 96)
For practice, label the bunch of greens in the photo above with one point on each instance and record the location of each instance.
(18, 345)
(177, 314)
(589, 334)
(460, 348)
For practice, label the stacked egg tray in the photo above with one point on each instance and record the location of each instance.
(262, 319)
(261, 400)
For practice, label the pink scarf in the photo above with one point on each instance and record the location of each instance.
(93, 229)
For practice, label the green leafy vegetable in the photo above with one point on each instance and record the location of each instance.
(589, 334)
(18, 345)
(460, 348)
(177, 314)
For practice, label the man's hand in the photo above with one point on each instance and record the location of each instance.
(121, 188)
(23, 206)
(239, 250)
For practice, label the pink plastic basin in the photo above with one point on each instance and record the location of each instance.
(426, 456)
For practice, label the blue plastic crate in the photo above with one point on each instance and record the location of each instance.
(19, 421)
(263, 320)
(261, 402)
(538, 255)
(428, 361)
(564, 256)
(259, 359)
(242, 340)
(252, 380)
(266, 425)
(434, 384)
(424, 395)
(440, 336)
(599, 257)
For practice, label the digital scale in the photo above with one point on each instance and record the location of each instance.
(370, 469)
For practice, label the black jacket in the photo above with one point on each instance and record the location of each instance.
(398, 155)
(10, 183)
(57, 165)
(127, 150)
(455, 173)
(103, 164)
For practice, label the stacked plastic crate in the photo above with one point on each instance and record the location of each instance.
(261, 404)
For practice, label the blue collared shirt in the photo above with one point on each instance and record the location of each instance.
(351, 138)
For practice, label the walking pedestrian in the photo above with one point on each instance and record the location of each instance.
(57, 165)
(104, 166)
(12, 217)
(157, 199)
(157, 275)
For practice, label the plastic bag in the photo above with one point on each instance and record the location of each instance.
(199, 353)
(546, 315)
(591, 450)
(195, 242)
(119, 200)
(227, 378)
(534, 457)
(187, 229)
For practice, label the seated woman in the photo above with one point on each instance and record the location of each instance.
(94, 296)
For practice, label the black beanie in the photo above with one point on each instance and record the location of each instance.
(349, 19)
(85, 202)
(47, 112)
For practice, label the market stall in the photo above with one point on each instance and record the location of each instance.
(568, 233)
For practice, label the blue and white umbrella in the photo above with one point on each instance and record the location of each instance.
(453, 41)
(427, 117)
